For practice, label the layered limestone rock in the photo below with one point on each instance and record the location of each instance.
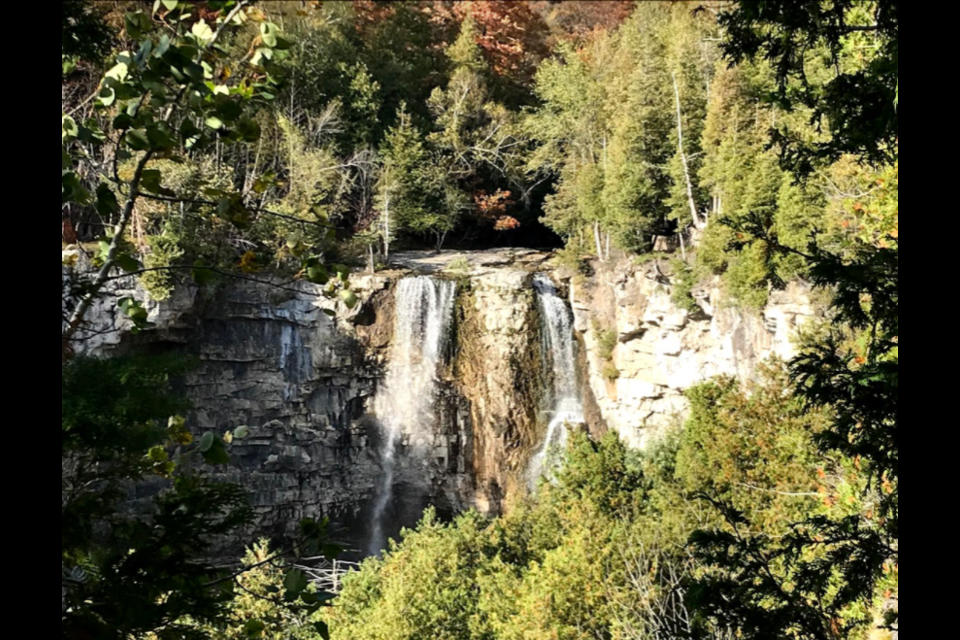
(499, 373)
(301, 372)
(644, 352)
(272, 359)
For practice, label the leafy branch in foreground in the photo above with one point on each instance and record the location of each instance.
(184, 91)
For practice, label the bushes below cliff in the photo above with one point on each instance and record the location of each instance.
(604, 553)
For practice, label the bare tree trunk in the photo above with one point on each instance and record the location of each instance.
(683, 245)
(598, 240)
(108, 264)
(608, 247)
(683, 155)
(386, 227)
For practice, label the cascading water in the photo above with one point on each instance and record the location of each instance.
(561, 353)
(406, 404)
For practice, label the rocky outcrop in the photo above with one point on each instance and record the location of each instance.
(499, 373)
(301, 371)
(644, 352)
(271, 358)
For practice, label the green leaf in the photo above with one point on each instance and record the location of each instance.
(254, 629)
(202, 31)
(189, 129)
(342, 271)
(122, 122)
(241, 433)
(150, 181)
(206, 442)
(349, 298)
(160, 137)
(217, 454)
(202, 276)
(227, 108)
(269, 32)
(162, 46)
(296, 583)
(233, 210)
(248, 130)
(66, 162)
(137, 140)
(107, 204)
(170, 5)
(264, 182)
(317, 275)
(128, 263)
(68, 127)
(120, 72)
(260, 56)
(135, 312)
(138, 24)
(322, 629)
(214, 123)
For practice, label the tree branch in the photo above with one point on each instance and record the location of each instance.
(779, 493)
(103, 276)
(235, 276)
(211, 203)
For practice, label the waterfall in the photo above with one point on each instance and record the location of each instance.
(560, 350)
(406, 404)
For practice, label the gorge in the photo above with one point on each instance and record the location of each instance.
(447, 386)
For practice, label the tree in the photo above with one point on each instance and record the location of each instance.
(146, 570)
(477, 139)
(124, 573)
(822, 580)
(583, 18)
(84, 35)
(165, 102)
(855, 98)
(414, 187)
(513, 40)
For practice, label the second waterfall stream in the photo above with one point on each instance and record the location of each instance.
(406, 405)
(560, 347)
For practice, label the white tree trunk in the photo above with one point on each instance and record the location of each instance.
(683, 155)
(386, 227)
(598, 240)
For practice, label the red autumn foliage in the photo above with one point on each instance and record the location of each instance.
(493, 208)
(512, 36)
(578, 18)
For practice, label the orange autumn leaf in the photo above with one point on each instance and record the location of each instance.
(248, 263)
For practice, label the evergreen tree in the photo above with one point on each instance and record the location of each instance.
(414, 185)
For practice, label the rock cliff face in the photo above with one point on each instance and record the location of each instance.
(643, 351)
(272, 359)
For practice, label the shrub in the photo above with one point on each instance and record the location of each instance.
(684, 280)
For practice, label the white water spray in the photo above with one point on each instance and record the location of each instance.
(406, 404)
(561, 351)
